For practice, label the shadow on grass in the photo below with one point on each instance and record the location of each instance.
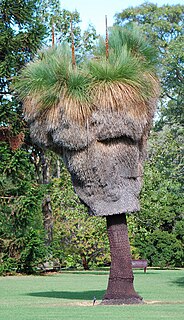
(101, 273)
(70, 295)
(141, 272)
(98, 273)
(179, 282)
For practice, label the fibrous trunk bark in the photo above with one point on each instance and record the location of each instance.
(120, 288)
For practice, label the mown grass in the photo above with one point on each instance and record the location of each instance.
(69, 295)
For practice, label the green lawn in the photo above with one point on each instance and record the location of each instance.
(69, 295)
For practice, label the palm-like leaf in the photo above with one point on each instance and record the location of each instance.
(133, 40)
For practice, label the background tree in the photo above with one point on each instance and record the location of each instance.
(21, 227)
(157, 230)
(84, 41)
(22, 34)
(79, 239)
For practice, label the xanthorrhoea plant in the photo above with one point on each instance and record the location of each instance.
(98, 116)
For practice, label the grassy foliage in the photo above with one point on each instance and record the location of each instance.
(52, 81)
(132, 40)
(70, 295)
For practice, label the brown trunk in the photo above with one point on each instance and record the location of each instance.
(120, 288)
(48, 219)
(84, 262)
(73, 46)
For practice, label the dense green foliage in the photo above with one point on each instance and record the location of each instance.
(21, 228)
(156, 233)
(158, 229)
(21, 35)
(79, 240)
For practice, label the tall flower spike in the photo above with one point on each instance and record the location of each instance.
(53, 38)
(73, 46)
(107, 39)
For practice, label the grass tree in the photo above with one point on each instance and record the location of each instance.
(97, 115)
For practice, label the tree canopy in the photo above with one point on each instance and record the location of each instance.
(165, 28)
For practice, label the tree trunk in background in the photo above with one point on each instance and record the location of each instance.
(58, 168)
(84, 262)
(45, 168)
(47, 219)
(46, 204)
(120, 288)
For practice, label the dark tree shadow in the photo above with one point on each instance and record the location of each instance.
(141, 272)
(179, 282)
(102, 273)
(98, 273)
(71, 295)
